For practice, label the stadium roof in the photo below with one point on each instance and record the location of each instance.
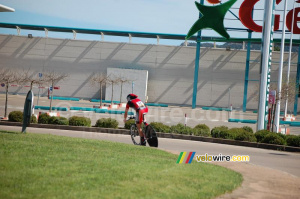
(135, 34)
(6, 9)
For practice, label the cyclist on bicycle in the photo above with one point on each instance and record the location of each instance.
(141, 110)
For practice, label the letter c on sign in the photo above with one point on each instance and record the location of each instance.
(245, 14)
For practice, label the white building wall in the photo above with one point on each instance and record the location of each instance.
(170, 68)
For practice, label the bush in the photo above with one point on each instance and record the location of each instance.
(58, 120)
(293, 140)
(79, 121)
(15, 116)
(107, 123)
(282, 135)
(201, 132)
(248, 129)
(220, 132)
(241, 134)
(181, 129)
(160, 127)
(44, 118)
(203, 127)
(33, 119)
(128, 123)
(273, 138)
(260, 135)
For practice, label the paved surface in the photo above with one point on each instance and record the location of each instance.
(270, 174)
(169, 115)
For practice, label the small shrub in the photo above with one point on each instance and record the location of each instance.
(33, 119)
(248, 129)
(282, 135)
(241, 134)
(219, 132)
(293, 140)
(128, 123)
(201, 132)
(181, 129)
(15, 116)
(79, 121)
(260, 135)
(160, 127)
(58, 120)
(44, 118)
(273, 138)
(204, 127)
(107, 123)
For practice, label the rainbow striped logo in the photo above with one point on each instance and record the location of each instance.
(187, 160)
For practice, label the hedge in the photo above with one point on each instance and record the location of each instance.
(44, 118)
(260, 135)
(107, 123)
(293, 140)
(160, 127)
(79, 121)
(15, 116)
(273, 138)
(220, 132)
(58, 120)
(128, 123)
(248, 129)
(181, 129)
(242, 135)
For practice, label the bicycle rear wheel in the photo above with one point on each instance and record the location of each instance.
(151, 136)
(135, 136)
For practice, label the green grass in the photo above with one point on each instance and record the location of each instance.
(47, 166)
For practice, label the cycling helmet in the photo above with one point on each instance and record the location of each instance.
(131, 97)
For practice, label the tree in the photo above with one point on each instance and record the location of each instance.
(99, 79)
(33, 79)
(112, 81)
(7, 77)
(122, 80)
(53, 78)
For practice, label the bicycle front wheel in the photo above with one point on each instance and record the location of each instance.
(135, 136)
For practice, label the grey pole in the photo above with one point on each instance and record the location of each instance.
(279, 83)
(267, 42)
(289, 62)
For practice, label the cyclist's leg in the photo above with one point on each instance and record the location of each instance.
(139, 123)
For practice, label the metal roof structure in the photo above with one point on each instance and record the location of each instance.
(6, 9)
(134, 34)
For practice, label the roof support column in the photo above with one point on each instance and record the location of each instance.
(102, 36)
(157, 37)
(74, 34)
(130, 37)
(18, 30)
(46, 32)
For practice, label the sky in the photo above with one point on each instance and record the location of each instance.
(156, 16)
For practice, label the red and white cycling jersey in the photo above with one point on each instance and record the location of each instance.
(140, 108)
(136, 104)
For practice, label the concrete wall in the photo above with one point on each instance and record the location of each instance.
(171, 68)
(137, 80)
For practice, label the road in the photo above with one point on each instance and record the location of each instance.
(171, 115)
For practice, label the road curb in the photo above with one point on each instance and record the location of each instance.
(162, 135)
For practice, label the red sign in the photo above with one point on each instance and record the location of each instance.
(272, 97)
(245, 14)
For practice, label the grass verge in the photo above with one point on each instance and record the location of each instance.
(47, 166)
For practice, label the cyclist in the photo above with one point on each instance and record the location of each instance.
(141, 110)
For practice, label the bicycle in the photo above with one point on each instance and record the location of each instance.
(148, 131)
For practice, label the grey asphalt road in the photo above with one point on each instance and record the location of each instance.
(168, 115)
(283, 161)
